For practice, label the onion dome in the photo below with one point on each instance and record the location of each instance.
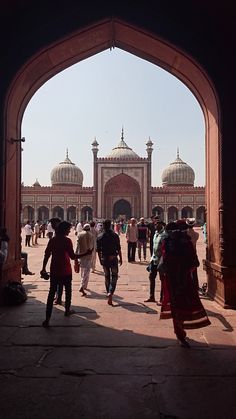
(36, 184)
(122, 151)
(178, 173)
(66, 173)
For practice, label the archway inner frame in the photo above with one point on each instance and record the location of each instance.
(94, 39)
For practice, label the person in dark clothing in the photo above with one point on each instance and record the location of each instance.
(142, 238)
(151, 231)
(108, 248)
(61, 249)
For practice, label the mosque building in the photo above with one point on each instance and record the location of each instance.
(121, 189)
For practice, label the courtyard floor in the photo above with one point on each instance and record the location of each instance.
(116, 361)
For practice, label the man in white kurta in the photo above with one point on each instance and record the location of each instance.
(85, 244)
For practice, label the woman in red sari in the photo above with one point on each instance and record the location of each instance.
(181, 301)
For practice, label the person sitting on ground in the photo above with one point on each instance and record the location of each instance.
(24, 258)
(60, 249)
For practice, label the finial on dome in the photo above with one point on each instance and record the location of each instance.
(67, 156)
(122, 133)
(177, 152)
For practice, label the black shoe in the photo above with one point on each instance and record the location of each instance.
(184, 343)
(28, 273)
(150, 300)
(69, 313)
(45, 323)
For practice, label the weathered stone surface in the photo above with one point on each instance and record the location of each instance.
(116, 361)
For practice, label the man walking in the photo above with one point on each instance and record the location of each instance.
(60, 249)
(108, 248)
(132, 237)
(159, 236)
(85, 245)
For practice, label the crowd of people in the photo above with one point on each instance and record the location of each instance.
(172, 255)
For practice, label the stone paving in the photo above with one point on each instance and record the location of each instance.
(116, 361)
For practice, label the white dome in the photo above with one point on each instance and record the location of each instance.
(122, 151)
(178, 173)
(66, 173)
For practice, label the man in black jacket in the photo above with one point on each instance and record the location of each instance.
(108, 248)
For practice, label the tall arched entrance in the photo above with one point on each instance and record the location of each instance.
(113, 32)
(125, 190)
(122, 209)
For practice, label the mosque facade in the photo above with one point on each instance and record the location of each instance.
(122, 188)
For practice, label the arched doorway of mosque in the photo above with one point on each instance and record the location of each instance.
(172, 214)
(86, 214)
(126, 190)
(28, 214)
(58, 212)
(74, 47)
(43, 214)
(122, 209)
(71, 214)
(201, 215)
(158, 211)
(187, 212)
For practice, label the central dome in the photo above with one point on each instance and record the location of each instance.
(178, 173)
(66, 173)
(122, 151)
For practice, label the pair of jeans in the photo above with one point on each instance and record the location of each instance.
(111, 276)
(142, 244)
(131, 251)
(57, 283)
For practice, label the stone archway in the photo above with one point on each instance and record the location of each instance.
(58, 212)
(172, 214)
(122, 209)
(187, 212)
(122, 187)
(86, 214)
(28, 214)
(87, 42)
(43, 213)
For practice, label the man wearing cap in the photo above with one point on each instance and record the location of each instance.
(84, 248)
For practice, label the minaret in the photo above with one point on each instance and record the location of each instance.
(95, 148)
(149, 150)
(95, 175)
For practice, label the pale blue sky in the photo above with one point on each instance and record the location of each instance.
(94, 98)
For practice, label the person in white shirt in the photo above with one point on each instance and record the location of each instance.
(132, 238)
(79, 228)
(36, 231)
(28, 233)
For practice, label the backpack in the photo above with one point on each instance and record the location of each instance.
(14, 293)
